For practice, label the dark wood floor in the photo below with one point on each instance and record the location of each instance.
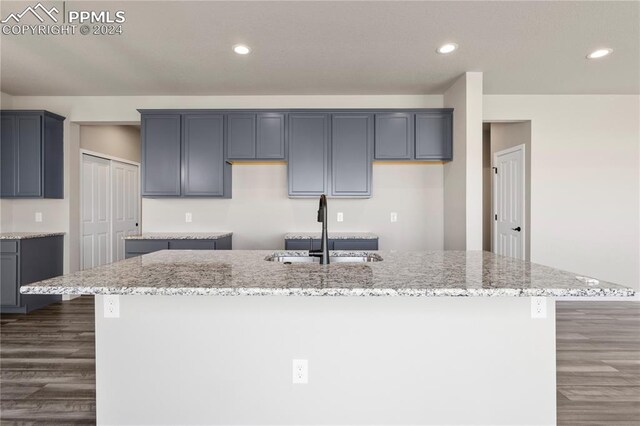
(47, 366)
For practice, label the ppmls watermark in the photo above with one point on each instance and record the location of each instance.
(57, 20)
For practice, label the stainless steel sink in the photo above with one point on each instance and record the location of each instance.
(369, 257)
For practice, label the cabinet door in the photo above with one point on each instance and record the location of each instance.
(394, 136)
(271, 136)
(355, 244)
(8, 280)
(203, 155)
(53, 150)
(161, 155)
(28, 160)
(434, 136)
(351, 146)
(7, 155)
(308, 149)
(241, 136)
(297, 244)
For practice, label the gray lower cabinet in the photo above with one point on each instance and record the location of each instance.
(31, 154)
(351, 155)
(26, 261)
(256, 136)
(135, 248)
(308, 154)
(394, 136)
(434, 136)
(183, 155)
(351, 244)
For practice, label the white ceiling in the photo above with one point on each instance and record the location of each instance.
(184, 48)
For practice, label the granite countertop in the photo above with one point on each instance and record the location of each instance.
(179, 236)
(246, 272)
(332, 235)
(27, 235)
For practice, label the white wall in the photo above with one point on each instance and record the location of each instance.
(260, 212)
(114, 140)
(463, 176)
(585, 182)
(64, 215)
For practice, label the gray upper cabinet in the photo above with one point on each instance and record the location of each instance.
(203, 161)
(259, 136)
(241, 136)
(308, 153)
(394, 136)
(351, 154)
(434, 136)
(271, 136)
(161, 166)
(183, 155)
(31, 154)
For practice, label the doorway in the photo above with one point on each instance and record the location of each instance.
(507, 188)
(109, 207)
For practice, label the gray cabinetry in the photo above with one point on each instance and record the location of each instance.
(308, 154)
(259, 136)
(31, 154)
(351, 244)
(183, 155)
(351, 154)
(434, 134)
(135, 248)
(203, 161)
(394, 136)
(26, 261)
(161, 166)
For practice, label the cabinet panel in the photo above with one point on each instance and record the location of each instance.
(192, 244)
(9, 280)
(368, 244)
(29, 156)
(241, 136)
(53, 150)
(271, 136)
(394, 136)
(434, 136)
(203, 155)
(351, 145)
(145, 246)
(161, 155)
(7, 155)
(316, 244)
(297, 244)
(308, 149)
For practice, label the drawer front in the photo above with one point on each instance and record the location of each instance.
(192, 245)
(355, 245)
(145, 246)
(297, 245)
(8, 246)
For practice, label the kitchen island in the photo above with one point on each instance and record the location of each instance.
(414, 338)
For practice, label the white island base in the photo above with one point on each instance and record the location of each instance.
(372, 360)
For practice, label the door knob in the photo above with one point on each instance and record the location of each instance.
(518, 229)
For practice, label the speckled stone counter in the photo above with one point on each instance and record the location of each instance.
(179, 236)
(246, 272)
(27, 235)
(332, 236)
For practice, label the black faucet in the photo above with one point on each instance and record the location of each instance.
(323, 253)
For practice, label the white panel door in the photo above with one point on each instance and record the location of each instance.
(126, 196)
(95, 212)
(509, 202)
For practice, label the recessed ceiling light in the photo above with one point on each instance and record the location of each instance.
(241, 49)
(600, 53)
(447, 48)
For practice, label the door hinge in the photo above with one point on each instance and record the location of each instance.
(495, 170)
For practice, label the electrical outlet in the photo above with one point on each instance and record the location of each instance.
(38, 216)
(112, 306)
(394, 217)
(300, 371)
(340, 217)
(188, 217)
(538, 307)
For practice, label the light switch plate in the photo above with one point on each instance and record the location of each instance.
(394, 217)
(38, 216)
(188, 217)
